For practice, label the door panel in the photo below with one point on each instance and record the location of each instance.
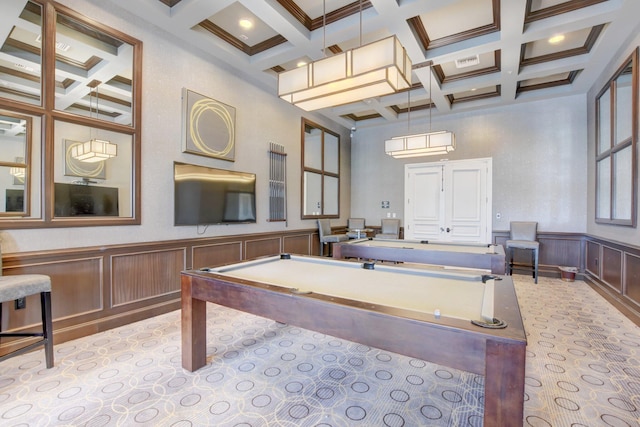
(426, 208)
(448, 201)
(464, 210)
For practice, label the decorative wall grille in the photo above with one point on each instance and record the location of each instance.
(277, 182)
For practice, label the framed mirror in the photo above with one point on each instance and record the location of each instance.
(94, 188)
(86, 79)
(15, 172)
(320, 172)
(21, 62)
(616, 140)
(95, 70)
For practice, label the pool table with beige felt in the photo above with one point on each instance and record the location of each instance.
(385, 307)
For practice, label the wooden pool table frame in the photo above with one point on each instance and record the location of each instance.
(494, 261)
(497, 354)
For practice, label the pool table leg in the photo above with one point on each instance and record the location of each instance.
(504, 384)
(194, 328)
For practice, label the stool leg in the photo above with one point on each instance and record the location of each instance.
(535, 265)
(47, 327)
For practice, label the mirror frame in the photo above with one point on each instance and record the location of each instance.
(606, 151)
(49, 116)
(26, 211)
(322, 172)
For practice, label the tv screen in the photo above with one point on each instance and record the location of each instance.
(204, 195)
(85, 200)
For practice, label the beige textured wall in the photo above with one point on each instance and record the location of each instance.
(260, 118)
(539, 152)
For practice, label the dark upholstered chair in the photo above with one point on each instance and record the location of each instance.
(523, 235)
(390, 229)
(356, 228)
(21, 286)
(326, 238)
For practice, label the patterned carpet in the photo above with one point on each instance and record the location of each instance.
(583, 369)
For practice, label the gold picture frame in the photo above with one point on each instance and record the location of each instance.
(208, 126)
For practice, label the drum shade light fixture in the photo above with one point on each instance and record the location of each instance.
(422, 144)
(375, 69)
(94, 150)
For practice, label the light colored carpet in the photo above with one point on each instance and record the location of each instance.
(582, 369)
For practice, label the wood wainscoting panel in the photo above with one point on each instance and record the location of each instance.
(561, 251)
(593, 258)
(300, 244)
(262, 247)
(612, 267)
(632, 277)
(76, 289)
(216, 254)
(143, 275)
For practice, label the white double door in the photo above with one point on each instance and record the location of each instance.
(448, 201)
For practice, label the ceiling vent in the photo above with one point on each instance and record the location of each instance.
(468, 61)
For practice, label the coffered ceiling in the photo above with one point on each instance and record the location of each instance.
(483, 52)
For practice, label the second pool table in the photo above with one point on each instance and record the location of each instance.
(468, 255)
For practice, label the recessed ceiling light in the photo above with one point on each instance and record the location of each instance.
(59, 45)
(556, 39)
(469, 61)
(301, 64)
(245, 23)
(24, 67)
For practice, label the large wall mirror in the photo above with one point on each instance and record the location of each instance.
(616, 140)
(70, 92)
(320, 172)
(16, 172)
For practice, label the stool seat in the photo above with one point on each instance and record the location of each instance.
(23, 285)
(522, 244)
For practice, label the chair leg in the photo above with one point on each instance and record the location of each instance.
(47, 327)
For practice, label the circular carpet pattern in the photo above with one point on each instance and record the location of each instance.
(583, 369)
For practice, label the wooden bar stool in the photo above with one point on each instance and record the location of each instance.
(22, 286)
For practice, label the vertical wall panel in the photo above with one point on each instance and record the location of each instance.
(216, 254)
(593, 258)
(297, 244)
(632, 277)
(145, 275)
(612, 267)
(262, 247)
(76, 288)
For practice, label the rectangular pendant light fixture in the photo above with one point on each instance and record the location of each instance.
(96, 150)
(374, 69)
(424, 144)
(421, 144)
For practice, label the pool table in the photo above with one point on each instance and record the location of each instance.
(469, 255)
(458, 319)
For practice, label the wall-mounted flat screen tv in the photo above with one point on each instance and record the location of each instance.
(204, 195)
(85, 200)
